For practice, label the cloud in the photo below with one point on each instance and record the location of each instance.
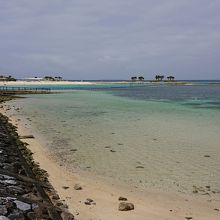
(110, 39)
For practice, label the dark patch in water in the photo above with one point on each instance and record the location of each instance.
(95, 113)
(169, 93)
(193, 104)
(214, 103)
(209, 107)
(205, 105)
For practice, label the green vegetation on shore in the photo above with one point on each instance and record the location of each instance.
(7, 78)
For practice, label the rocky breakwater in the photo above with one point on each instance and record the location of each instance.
(25, 192)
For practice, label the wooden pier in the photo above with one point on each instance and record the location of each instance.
(5, 90)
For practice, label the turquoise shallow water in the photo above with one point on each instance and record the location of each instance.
(143, 140)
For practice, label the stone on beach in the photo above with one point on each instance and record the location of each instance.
(3, 210)
(89, 202)
(67, 216)
(55, 197)
(121, 198)
(4, 218)
(65, 187)
(77, 187)
(125, 206)
(26, 137)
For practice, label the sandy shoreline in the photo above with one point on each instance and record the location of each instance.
(25, 83)
(37, 83)
(148, 205)
(60, 83)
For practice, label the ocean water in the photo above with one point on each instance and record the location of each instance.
(148, 137)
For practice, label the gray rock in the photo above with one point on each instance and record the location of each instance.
(39, 211)
(3, 218)
(64, 206)
(125, 206)
(3, 210)
(6, 177)
(32, 197)
(67, 216)
(56, 197)
(10, 168)
(77, 187)
(10, 182)
(17, 215)
(22, 206)
(10, 206)
(59, 203)
(17, 165)
(16, 190)
(31, 215)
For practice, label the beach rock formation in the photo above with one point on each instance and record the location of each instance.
(77, 187)
(125, 206)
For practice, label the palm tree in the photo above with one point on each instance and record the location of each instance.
(49, 78)
(10, 78)
(133, 78)
(171, 78)
(157, 77)
(141, 78)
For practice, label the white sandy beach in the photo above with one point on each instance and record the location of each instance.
(47, 82)
(32, 83)
(148, 205)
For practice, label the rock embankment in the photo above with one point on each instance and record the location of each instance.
(25, 192)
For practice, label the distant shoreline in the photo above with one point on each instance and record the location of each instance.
(154, 82)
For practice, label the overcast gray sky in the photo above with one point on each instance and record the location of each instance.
(110, 39)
